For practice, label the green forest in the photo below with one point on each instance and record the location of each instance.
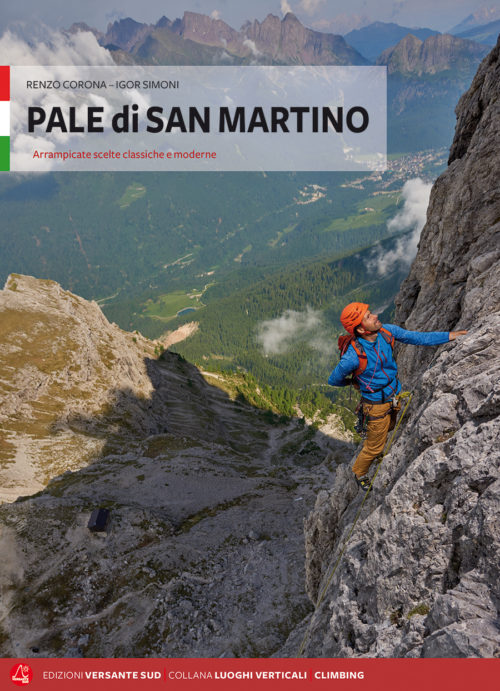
(123, 239)
(227, 339)
(234, 250)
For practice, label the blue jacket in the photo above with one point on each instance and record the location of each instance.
(379, 382)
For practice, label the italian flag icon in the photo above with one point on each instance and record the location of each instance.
(4, 117)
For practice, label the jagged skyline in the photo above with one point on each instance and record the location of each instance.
(335, 16)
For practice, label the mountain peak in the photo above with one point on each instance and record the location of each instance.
(163, 22)
(125, 33)
(483, 15)
(437, 53)
(287, 41)
(375, 38)
(274, 40)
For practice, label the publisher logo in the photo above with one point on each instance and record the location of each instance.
(21, 674)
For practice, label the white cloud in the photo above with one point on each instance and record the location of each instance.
(215, 14)
(224, 56)
(52, 48)
(277, 336)
(46, 47)
(311, 6)
(285, 7)
(416, 194)
(342, 23)
(248, 43)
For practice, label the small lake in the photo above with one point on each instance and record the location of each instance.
(185, 311)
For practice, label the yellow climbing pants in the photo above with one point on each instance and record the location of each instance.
(381, 420)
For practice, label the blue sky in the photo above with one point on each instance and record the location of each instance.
(323, 15)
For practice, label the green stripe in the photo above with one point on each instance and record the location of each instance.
(4, 153)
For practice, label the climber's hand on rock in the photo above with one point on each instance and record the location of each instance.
(455, 334)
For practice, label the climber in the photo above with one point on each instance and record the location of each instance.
(368, 362)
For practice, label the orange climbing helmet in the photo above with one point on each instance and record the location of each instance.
(352, 315)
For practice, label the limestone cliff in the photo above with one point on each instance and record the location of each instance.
(274, 40)
(438, 53)
(419, 577)
(63, 365)
(204, 552)
(289, 42)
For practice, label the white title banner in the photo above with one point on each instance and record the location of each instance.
(198, 118)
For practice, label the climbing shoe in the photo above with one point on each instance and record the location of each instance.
(363, 482)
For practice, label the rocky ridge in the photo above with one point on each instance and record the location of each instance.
(204, 552)
(442, 52)
(62, 367)
(372, 39)
(419, 577)
(288, 41)
(272, 41)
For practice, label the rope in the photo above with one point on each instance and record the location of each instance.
(404, 394)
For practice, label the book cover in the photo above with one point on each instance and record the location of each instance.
(188, 204)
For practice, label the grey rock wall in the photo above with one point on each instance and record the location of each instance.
(420, 573)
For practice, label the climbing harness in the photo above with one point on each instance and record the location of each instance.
(364, 418)
(408, 395)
